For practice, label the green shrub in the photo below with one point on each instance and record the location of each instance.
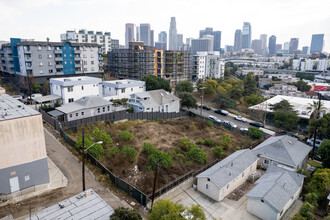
(122, 213)
(129, 153)
(312, 198)
(126, 136)
(307, 211)
(188, 163)
(210, 124)
(254, 133)
(101, 135)
(164, 159)
(217, 151)
(96, 151)
(225, 141)
(113, 151)
(237, 148)
(180, 156)
(130, 110)
(298, 217)
(209, 142)
(148, 148)
(185, 144)
(197, 155)
(200, 141)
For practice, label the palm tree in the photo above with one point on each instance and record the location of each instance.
(315, 106)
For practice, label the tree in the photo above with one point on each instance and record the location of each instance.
(122, 213)
(253, 99)
(187, 100)
(184, 86)
(101, 135)
(284, 115)
(153, 82)
(225, 141)
(302, 86)
(163, 159)
(96, 150)
(254, 133)
(307, 211)
(129, 153)
(197, 154)
(36, 87)
(320, 183)
(227, 71)
(282, 105)
(210, 86)
(324, 152)
(250, 84)
(224, 101)
(148, 148)
(166, 209)
(45, 88)
(323, 126)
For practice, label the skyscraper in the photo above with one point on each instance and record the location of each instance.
(202, 44)
(238, 40)
(263, 38)
(173, 35)
(293, 45)
(317, 43)
(138, 33)
(305, 50)
(179, 40)
(246, 35)
(129, 33)
(216, 35)
(286, 46)
(278, 47)
(256, 46)
(145, 34)
(162, 38)
(152, 42)
(272, 45)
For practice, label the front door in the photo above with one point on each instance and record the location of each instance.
(14, 184)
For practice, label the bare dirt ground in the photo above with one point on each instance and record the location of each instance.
(241, 191)
(165, 135)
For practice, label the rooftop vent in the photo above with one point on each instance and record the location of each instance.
(290, 142)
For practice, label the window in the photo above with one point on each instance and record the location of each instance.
(50, 71)
(70, 115)
(77, 114)
(82, 113)
(49, 48)
(49, 56)
(64, 54)
(82, 87)
(92, 69)
(39, 56)
(109, 89)
(92, 62)
(131, 89)
(122, 90)
(85, 55)
(92, 55)
(65, 62)
(262, 200)
(50, 64)
(266, 161)
(85, 62)
(39, 47)
(208, 179)
(70, 89)
(208, 187)
(70, 100)
(108, 107)
(103, 109)
(40, 64)
(98, 110)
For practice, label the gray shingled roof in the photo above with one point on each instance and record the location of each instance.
(157, 97)
(230, 167)
(276, 187)
(86, 102)
(284, 149)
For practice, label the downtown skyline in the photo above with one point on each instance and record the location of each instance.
(111, 17)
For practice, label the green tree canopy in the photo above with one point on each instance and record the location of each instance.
(224, 101)
(324, 152)
(250, 84)
(286, 120)
(254, 133)
(184, 86)
(187, 100)
(283, 105)
(36, 87)
(253, 99)
(302, 86)
(320, 183)
(166, 210)
(163, 159)
(153, 83)
(323, 126)
(122, 213)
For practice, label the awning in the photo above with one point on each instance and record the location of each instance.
(46, 98)
(55, 113)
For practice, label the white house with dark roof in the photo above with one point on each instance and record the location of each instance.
(122, 89)
(154, 101)
(87, 106)
(71, 89)
(282, 151)
(274, 193)
(225, 176)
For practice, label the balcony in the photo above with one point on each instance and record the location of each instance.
(77, 51)
(77, 58)
(58, 51)
(58, 58)
(77, 65)
(59, 66)
(29, 67)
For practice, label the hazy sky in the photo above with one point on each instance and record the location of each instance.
(39, 19)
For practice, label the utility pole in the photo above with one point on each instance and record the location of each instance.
(316, 122)
(202, 96)
(154, 188)
(83, 158)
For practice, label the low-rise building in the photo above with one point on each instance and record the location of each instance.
(23, 163)
(71, 89)
(255, 72)
(282, 151)
(285, 89)
(154, 101)
(85, 107)
(122, 89)
(274, 193)
(225, 176)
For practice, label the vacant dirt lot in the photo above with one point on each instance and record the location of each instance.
(165, 135)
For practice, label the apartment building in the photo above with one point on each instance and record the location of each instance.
(122, 89)
(311, 64)
(208, 65)
(85, 36)
(47, 59)
(71, 89)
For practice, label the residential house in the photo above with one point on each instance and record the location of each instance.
(274, 193)
(154, 101)
(225, 176)
(284, 89)
(71, 89)
(23, 163)
(85, 107)
(311, 95)
(122, 89)
(282, 151)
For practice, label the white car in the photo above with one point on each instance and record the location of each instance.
(230, 124)
(239, 118)
(244, 130)
(213, 118)
(318, 142)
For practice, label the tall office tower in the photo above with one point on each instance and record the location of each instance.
(272, 45)
(211, 38)
(173, 35)
(256, 46)
(129, 33)
(145, 34)
(202, 44)
(160, 45)
(286, 46)
(305, 50)
(263, 38)
(293, 45)
(188, 41)
(162, 37)
(207, 31)
(278, 47)
(317, 43)
(179, 40)
(238, 40)
(216, 35)
(246, 35)
(152, 41)
(138, 33)
(229, 48)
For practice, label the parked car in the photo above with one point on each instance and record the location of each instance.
(206, 107)
(35, 95)
(257, 124)
(239, 118)
(244, 130)
(310, 142)
(221, 112)
(230, 124)
(311, 170)
(213, 118)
